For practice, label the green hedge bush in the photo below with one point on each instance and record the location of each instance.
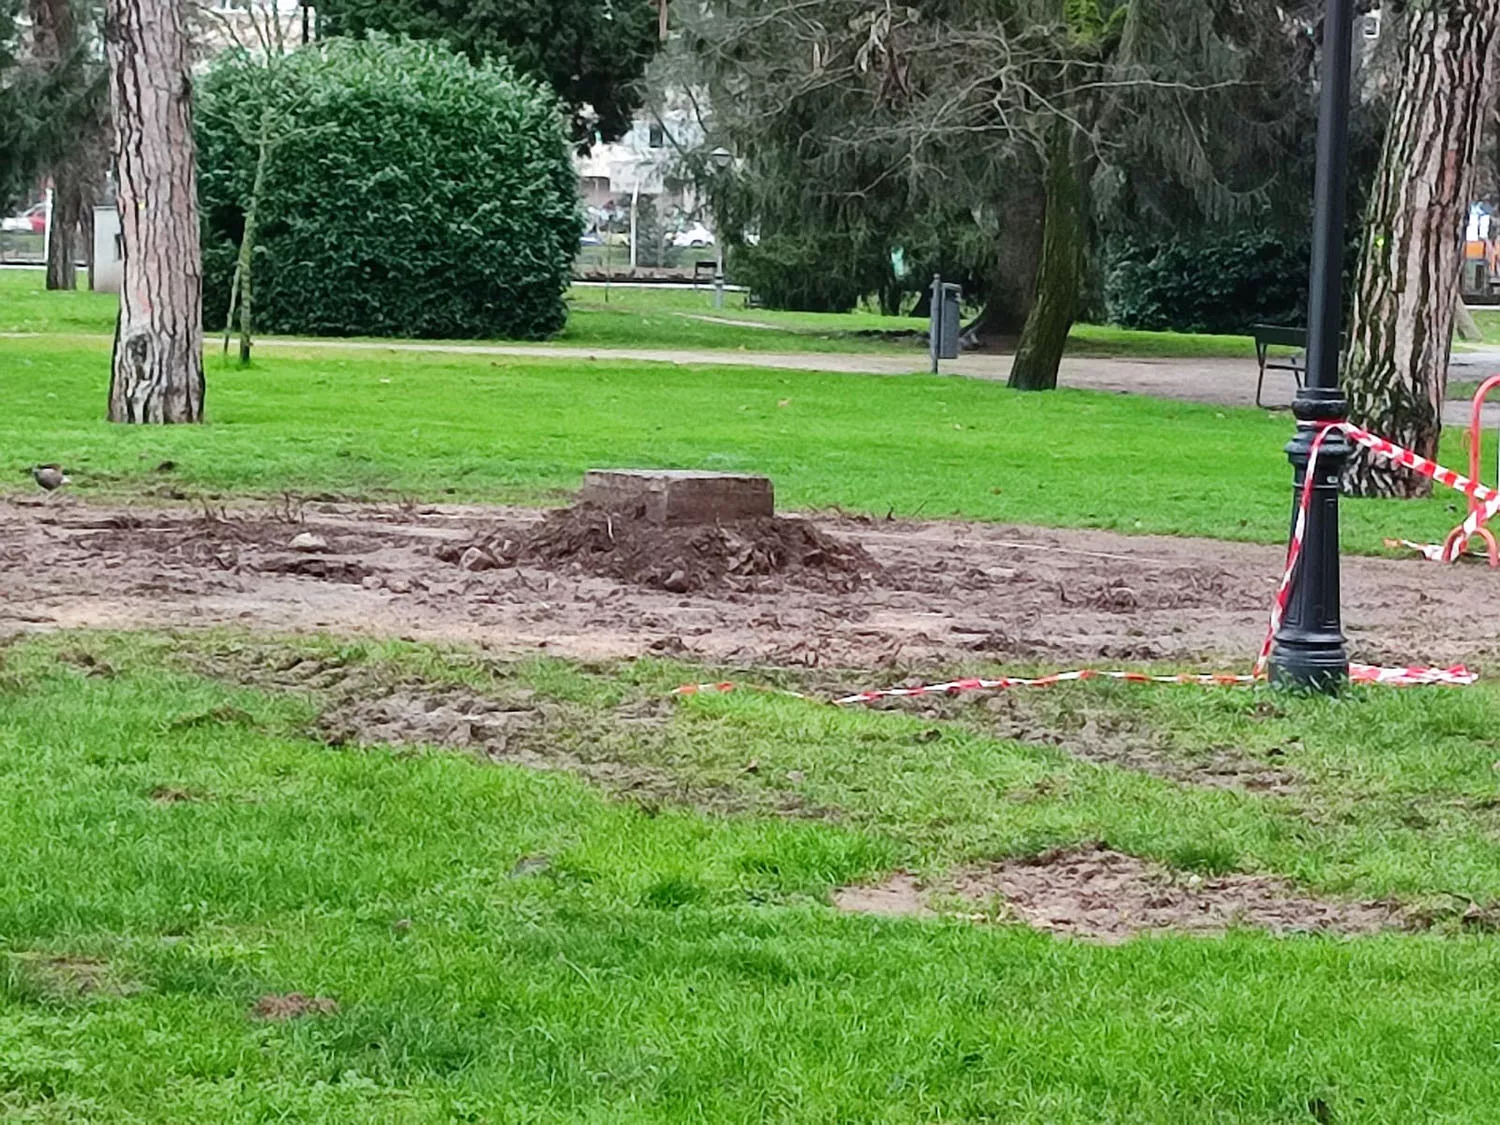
(805, 272)
(411, 193)
(1223, 283)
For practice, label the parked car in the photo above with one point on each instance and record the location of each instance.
(696, 236)
(31, 221)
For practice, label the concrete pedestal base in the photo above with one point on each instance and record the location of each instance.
(673, 497)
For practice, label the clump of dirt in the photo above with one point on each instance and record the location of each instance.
(224, 715)
(371, 703)
(278, 1007)
(1093, 729)
(1174, 588)
(747, 555)
(176, 795)
(66, 976)
(241, 544)
(434, 716)
(1105, 895)
(900, 896)
(87, 663)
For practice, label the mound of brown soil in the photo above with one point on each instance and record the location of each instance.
(1103, 895)
(750, 554)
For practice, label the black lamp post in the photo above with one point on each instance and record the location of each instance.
(1309, 651)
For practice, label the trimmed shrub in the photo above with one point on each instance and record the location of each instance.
(1220, 284)
(410, 193)
(808, 273)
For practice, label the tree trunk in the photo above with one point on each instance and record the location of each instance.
(62, 246)
(1018, 250)
(1401, 334)
(54, 42)
(87, 198)
(157, 371)
(1464, 324)
(1060, 276)
(241, 289)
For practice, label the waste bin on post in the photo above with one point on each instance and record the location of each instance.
(944, 324)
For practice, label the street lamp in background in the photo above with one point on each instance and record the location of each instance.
(1309, 648)
(721, 158)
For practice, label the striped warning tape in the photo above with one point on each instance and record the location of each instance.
(1456, 676)
(1410, 676)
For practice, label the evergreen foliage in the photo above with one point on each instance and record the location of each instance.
(417, 195)
(593, 52)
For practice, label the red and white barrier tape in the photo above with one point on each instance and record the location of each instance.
(1411, 676)
(1293, 553)
(1456, 676)
(1488, 497)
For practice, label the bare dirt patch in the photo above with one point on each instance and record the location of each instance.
(937, 593)
(748, 555)
(177, 795)
(375, 703)
(900, 896)
(1105, 895)
(67, 976)
(279, 1007)
(1093, 728)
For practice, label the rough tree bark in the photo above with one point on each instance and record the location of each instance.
(157, 373)
(1401, 333)
(1018, 252)
(62, 245)
(1060, 276)
(241, 287)
(86, 230)
(54, 42)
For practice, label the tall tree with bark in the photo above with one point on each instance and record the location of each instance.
(958, 99)
(1401, 329)
(53, 113)
(157, 368)
(77, 127)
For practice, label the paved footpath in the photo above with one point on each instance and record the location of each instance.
(1224, 382)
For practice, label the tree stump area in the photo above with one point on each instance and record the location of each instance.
(675, 497)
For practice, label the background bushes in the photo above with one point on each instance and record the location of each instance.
(410, 193)
(1208, 283)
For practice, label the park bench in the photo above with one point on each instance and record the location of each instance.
(1268, 336)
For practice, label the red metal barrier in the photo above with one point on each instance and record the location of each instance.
(1456, 542)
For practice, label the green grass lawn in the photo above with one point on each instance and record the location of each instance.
(510, 945)
(437, 426)
(643, 317)
(618, 317)
(1489, 324)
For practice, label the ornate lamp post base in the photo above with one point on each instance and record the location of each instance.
(1309, 649)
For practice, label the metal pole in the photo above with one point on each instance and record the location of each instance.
(718, 271)
(635, 200)
(47, 229)
(1310, 651)
(935, 321)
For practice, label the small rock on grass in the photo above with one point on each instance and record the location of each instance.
(476, 559)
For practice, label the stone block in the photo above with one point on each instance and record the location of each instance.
(674, 497)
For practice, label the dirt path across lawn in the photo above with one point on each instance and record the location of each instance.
(934, 593)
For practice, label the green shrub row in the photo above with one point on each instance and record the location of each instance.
(410, 193)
